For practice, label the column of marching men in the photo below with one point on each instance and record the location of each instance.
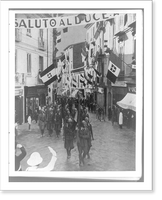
(68, 117)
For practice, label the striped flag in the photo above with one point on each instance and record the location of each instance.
(74, 83)
(90, 76)
(97, 72)
(49, 75)
(59, 37)
(113, 72)
(84, 55)
(86, 76)
(86, 45)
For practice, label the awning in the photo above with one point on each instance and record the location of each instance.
(128, 102)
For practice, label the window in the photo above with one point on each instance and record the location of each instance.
(41, 33)
(41, 63)
(15, 60)
(28, 63)
(28, 32)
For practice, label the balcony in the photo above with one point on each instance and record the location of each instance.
(41, 44)
(18, 35)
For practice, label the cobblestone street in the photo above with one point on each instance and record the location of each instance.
(113, 149)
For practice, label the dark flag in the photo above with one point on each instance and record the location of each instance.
(113, 72)
(90, 76)
(49, 75)
(97, 72)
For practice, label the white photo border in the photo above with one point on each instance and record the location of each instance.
(10, 56)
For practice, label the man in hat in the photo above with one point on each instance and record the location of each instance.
(69, 137)
(35, 160)
(20, 153)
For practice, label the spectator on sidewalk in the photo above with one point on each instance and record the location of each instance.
(35, 160)
(20, 153)
(29, 122)
(41, 121)
(109, 113)
(120, 119)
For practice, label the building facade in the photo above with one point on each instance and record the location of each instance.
(113, 40)
(33, 53)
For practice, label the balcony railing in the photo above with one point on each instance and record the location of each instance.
(41, 44)
(18, 35)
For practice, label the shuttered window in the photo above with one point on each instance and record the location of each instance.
(28, 63)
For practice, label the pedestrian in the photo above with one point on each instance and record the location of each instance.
(36, 115)
(35, 160)
(90, 135)
(29, 122)
(58, 122)
(20, 153)
(113, 118)
(109, 113)
(49, 121)
(83, 146)
(120, 119)
(41, 122)
(69, 137)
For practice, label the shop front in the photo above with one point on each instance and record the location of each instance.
(19, 105)
(35, 97)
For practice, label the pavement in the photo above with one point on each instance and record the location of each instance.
(113, 149)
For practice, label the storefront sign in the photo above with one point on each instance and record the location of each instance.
(61, 22)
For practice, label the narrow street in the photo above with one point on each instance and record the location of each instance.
(113, 149)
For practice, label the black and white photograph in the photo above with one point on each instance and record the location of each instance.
(75, 94)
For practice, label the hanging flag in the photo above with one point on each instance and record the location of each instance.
(84, 54)
(86, 76)
(62, 58)
(74, 83)
(65, 30)
(59, 37)
(86, 45)
(90, 76)
(113, 72)
(97, 72)
(49, 75)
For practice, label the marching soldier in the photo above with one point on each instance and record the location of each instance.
(69, 137)
(90, 135)
(49, 121)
